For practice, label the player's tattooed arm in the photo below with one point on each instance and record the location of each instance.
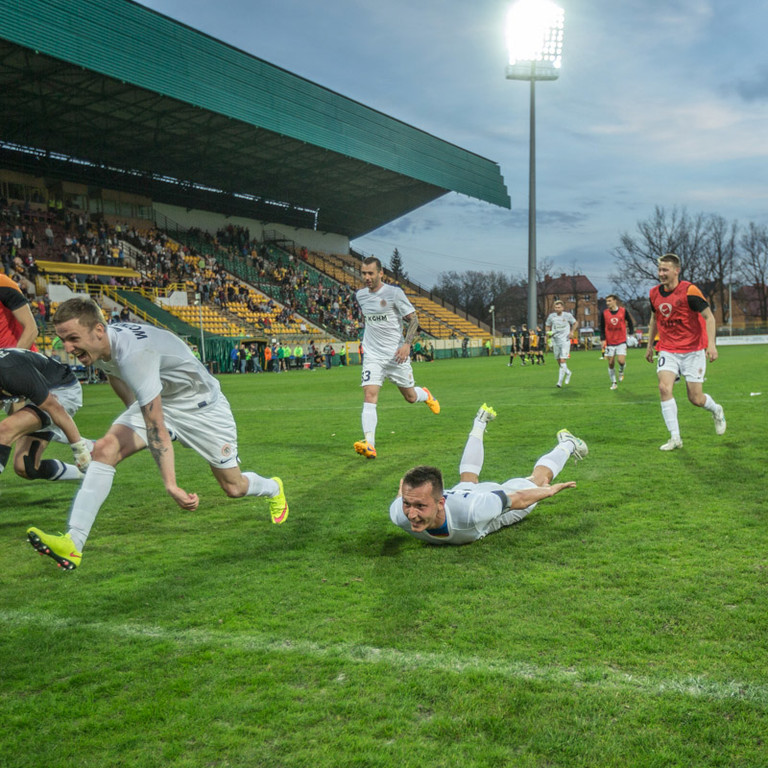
(411, 328)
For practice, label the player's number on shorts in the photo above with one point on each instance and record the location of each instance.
(366, 377)
(661, 362)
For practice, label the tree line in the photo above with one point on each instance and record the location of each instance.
(718, 255)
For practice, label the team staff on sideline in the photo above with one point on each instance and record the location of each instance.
(615, 324)
(387, 355)
(471, 510)
(49, 395)
(686, 328)
(169, 395)
(17, 323)
(562, 326)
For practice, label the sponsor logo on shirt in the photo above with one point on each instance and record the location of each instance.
(381, 318)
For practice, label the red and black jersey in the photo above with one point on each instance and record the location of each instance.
(28, 374)
(11, 299)
(614, 326)
(678, 317)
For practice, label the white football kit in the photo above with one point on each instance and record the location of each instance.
(561, 333)
(472, 511)
(153, 362)
(383, 312)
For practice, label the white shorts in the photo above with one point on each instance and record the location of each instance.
(376, 371)
(561, 349)
(71, 399)
(616, 349)
(210, 430)
(691, 366)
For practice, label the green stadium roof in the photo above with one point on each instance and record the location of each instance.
(120, 86)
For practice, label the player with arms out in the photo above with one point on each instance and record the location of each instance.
(471, 510)
(615, 324)
(561, 326)
(169, 395)
(48, 396)
(686, 329)
(387, 354)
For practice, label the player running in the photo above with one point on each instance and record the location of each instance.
(562, 325)
(169, 395)
(686, 328)
(387, 354)
(471, 510)
(615, 324)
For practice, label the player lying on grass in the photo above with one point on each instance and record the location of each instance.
(49, 395)
(471, 510)
(169, 395)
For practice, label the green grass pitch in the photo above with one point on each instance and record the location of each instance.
(623, 623)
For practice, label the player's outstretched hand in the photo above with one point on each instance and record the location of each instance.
(188, 501)
(557, 487)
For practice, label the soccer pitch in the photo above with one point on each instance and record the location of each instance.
(621, 624)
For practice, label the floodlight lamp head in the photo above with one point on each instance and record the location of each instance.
(534, 40)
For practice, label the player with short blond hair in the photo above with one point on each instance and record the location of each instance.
(169, 395)
(686, 328)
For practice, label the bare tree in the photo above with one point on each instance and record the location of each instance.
(753, 265)
(475, 292)
(722, 240)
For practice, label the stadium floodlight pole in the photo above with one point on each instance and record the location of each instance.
(535, 46)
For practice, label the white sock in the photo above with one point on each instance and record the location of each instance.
(370, 419)
(612, 374)
(710, 404)
(92, 494)
(260, 486)
(557, 458)
(66, 471)
(669, 412)
(421, 395)
(561, 373)
(474, 451)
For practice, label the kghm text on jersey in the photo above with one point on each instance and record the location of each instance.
(376, 318)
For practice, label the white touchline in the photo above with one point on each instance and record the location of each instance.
(594, 676)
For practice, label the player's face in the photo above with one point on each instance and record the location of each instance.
(421, 508)
(86, 344)
(668, 274)
(371, 276)
(558, 308)
(612, 303)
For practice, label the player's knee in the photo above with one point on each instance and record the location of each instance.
(410, 396)
(106, 450)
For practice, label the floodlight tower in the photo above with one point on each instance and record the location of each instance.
(535, 45)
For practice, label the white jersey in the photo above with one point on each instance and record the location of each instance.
(153, 362)
(472, 511)
(384, 311)
(560, 326)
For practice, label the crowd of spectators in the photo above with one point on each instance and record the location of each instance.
(77, 238)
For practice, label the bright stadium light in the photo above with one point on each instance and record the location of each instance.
(535, 44)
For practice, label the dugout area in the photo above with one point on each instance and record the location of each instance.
(112, 94)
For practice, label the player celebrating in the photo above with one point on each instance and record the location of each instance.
(561, 324)
(169, 395)
(471, 510)
(387, 354)
(686, 328)
(49, 395)
(615, 324)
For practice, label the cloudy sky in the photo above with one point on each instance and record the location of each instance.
(660, 102)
